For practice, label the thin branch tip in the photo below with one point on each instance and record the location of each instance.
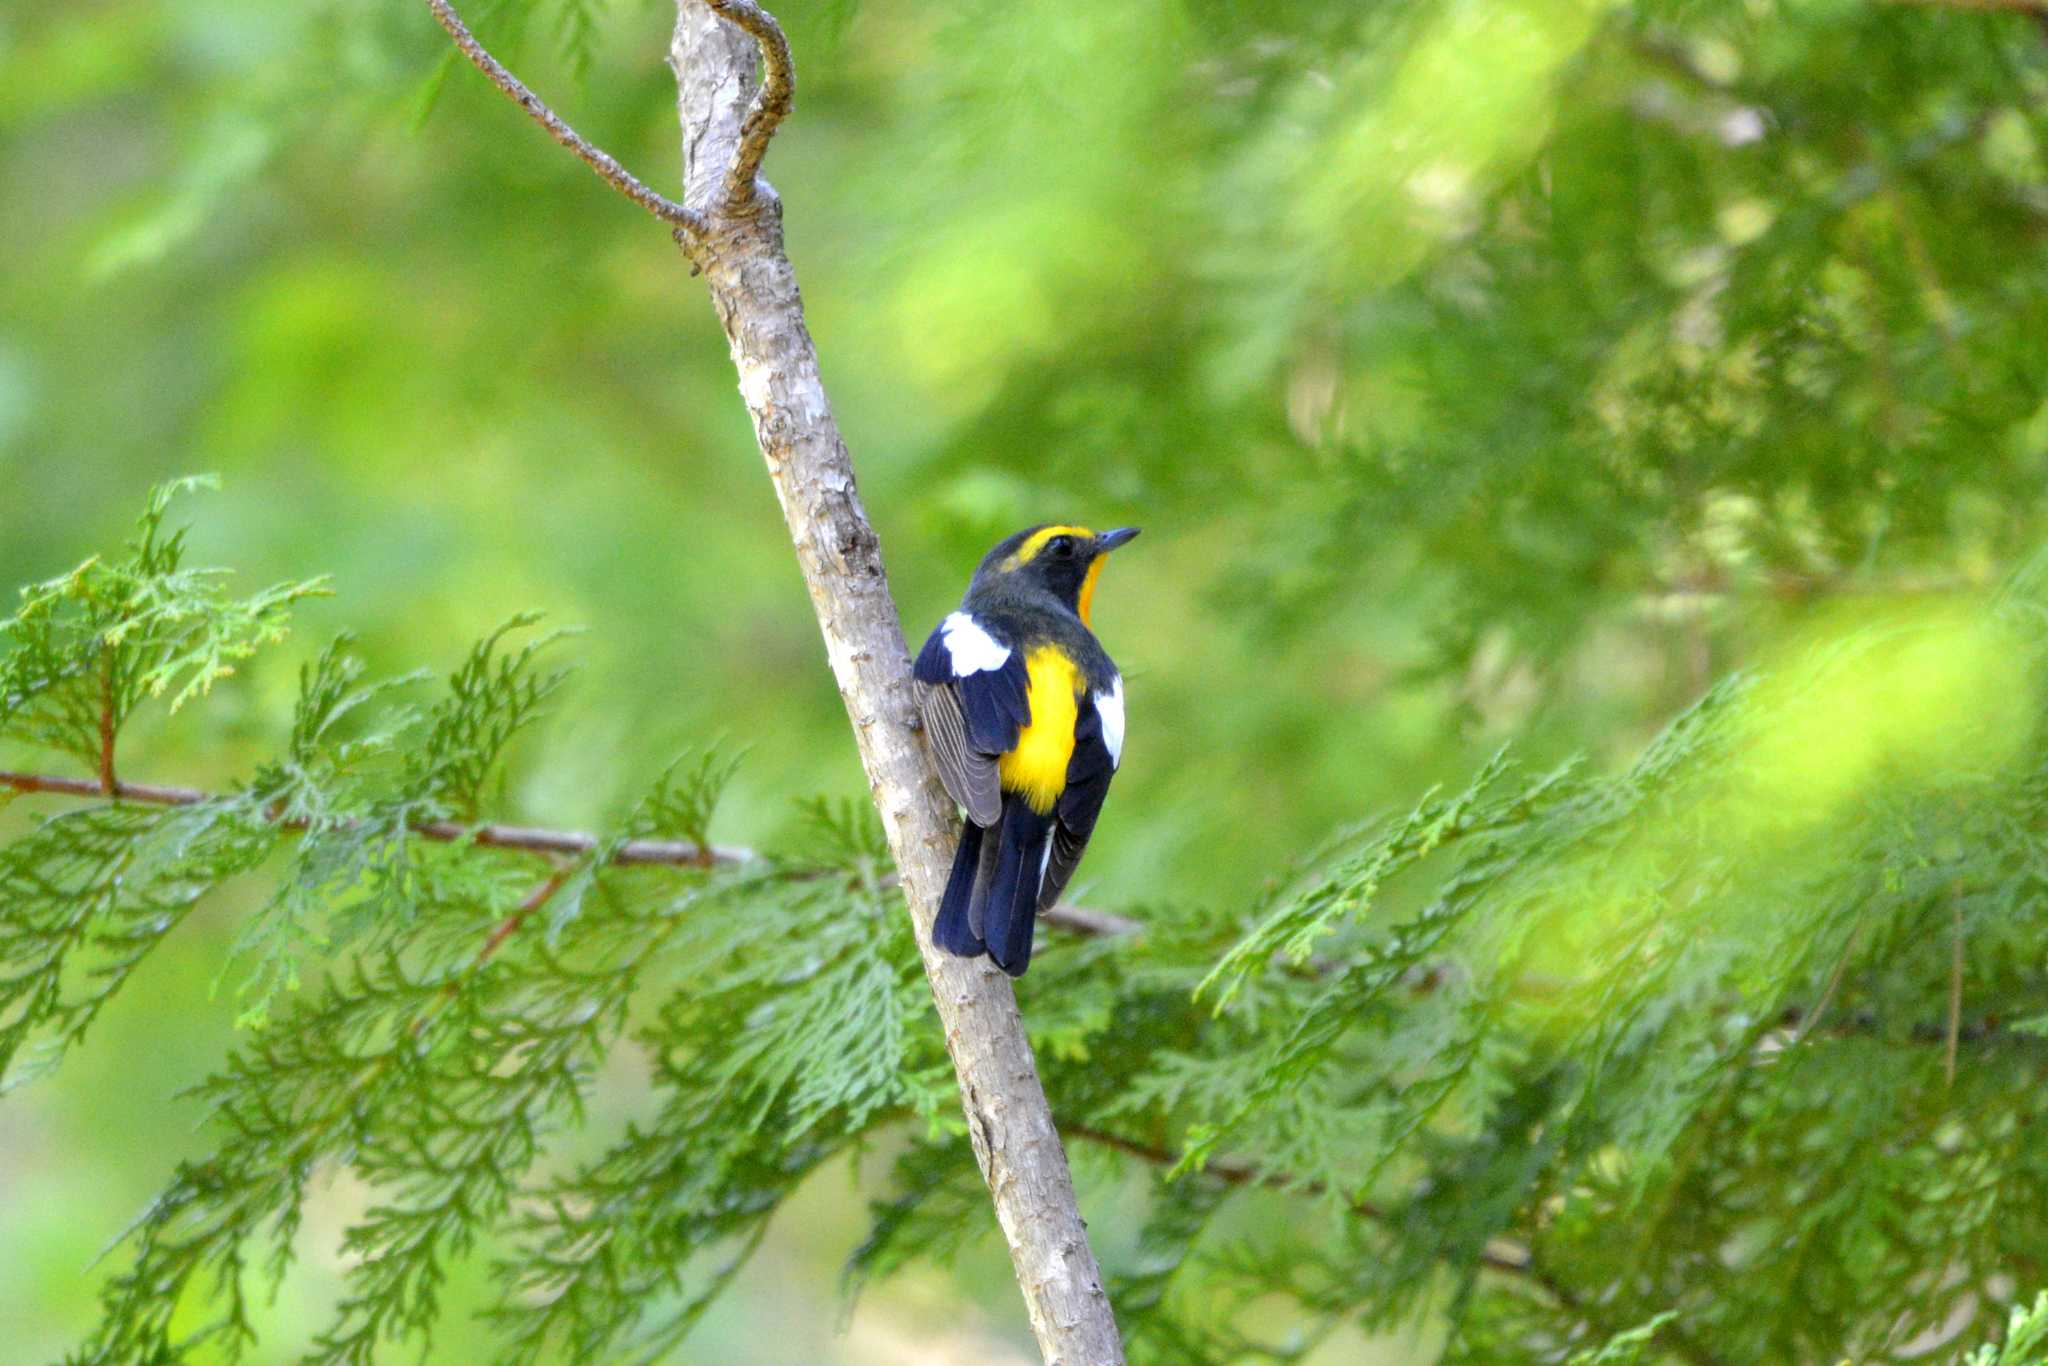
(684, 220)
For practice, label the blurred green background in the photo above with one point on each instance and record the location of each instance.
(1479, 372)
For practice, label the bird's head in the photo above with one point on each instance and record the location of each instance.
(1064, 561)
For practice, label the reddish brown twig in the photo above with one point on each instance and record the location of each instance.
(509, 926)
(502, 931)
(109, 785)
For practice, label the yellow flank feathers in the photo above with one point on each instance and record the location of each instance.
(1036, 542)
(1037, 767)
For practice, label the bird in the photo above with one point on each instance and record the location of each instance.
(1023, 711)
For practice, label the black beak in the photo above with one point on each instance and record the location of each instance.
(1110, 540)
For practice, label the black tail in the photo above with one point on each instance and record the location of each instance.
(1012, 910)
(953, 931)
(991, 901)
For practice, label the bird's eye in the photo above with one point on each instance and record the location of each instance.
(1062, 547)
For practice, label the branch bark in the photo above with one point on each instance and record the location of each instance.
(754, 291)
(730, 224)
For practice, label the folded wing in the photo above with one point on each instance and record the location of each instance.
(973, 693)
(1098, 747)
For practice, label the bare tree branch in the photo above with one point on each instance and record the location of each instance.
(730, 224)
(754, 291)
(596, 158)
(714, 65)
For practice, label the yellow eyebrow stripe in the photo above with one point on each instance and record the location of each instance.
(1037, 768)
(1036, 541)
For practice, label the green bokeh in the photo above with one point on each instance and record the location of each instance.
(1477, 372)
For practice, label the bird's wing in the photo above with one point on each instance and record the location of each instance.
(1098, 748)
(973, 693)
(970, 776)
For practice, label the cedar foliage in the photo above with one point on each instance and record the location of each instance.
(1544, 324)
(1650, 1063)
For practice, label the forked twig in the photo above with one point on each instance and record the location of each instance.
(772, 102)
(599, 160)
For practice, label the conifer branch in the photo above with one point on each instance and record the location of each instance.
(596, 158)
(1498, 1255)
(509, 926)
(505, 929)
(567, 843)
(1079, 920)
(1514, 1262)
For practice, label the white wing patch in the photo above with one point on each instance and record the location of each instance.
(972, 649)
(1110, 707)
(1044, 862)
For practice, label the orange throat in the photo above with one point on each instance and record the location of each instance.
(1086, 604)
